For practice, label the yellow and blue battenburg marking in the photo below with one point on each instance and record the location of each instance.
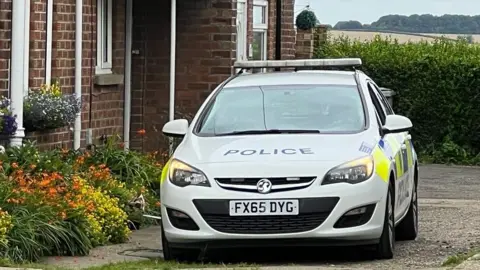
(387, 150)
(163, 177)
(381, 158)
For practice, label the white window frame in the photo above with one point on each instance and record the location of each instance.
(104, 67)
(262, 27)
(242, 30)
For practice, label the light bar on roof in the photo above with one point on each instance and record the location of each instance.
(340, 62)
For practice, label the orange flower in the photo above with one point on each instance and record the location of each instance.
(52, 191)
(101, 166)
(80, 160)
(45, 183)
(157, 204)
(72, 205)
(22, 182)
(76, 186)
(13, 201)
(33, 166)
(14, 165)
(141, 132)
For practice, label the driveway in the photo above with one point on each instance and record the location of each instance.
(449, 219)
(449, 205)
(449, 216)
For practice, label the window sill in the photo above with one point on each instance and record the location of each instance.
(108, 79)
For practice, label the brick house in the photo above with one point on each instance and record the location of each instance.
(124, 72)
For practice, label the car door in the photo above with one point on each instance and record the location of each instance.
(395, 142)
(401, 143)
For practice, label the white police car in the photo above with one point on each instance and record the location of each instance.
(291, 158)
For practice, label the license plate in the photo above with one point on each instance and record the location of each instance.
(264, 207)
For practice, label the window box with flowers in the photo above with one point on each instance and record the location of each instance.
(47, 108)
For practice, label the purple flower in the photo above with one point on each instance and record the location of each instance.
(9, 124)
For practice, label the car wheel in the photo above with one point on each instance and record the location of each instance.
(176, 254)
(408, 228)
(384, 249)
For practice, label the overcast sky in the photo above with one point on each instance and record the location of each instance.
(367, 11)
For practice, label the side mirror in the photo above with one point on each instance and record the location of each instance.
(396, 124)
(175, 128)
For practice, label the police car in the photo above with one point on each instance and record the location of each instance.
(291, 158)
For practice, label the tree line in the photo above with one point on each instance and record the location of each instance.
(426, 23)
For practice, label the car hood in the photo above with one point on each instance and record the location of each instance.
(275, 148)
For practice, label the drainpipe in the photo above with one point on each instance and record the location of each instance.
(78, 70)
(278, 32)
(128, 73)
(173, 41)
(18, 66)
(26, 49)
(48, 53)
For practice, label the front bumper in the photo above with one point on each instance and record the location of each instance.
(320, 209)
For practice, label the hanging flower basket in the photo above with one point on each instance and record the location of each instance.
(47, 108)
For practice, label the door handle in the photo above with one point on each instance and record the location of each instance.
(404, 146)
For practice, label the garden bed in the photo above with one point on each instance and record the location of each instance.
(64, 203)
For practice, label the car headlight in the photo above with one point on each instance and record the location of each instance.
(182, 175)
(352, 172)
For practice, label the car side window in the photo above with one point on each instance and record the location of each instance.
(377, 103)
(383, 99)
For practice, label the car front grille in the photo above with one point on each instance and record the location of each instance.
(278, 183)
(265, 224)
(312, 213)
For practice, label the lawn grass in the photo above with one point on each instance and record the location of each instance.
(163, 265)
(143, 265)
(459, 258)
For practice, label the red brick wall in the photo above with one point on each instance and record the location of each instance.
(288, 30)
(5, 35)
(105, 103)
(205, 53)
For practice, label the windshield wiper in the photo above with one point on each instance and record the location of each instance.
(270, 131)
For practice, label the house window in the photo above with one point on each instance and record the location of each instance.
(104, 37)
(260, 27)
(241, 30)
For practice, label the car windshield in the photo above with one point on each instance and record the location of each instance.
(285, 108)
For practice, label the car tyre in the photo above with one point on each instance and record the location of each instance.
(176, 254)
(384, 249)
(408, 228)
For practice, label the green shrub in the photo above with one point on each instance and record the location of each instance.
(306, 20)
(131, 167)
(437, 86)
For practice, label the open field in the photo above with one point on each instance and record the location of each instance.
(403, 38)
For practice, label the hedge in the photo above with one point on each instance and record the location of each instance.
(437, 86)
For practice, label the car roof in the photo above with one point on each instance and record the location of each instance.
(292, 77)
